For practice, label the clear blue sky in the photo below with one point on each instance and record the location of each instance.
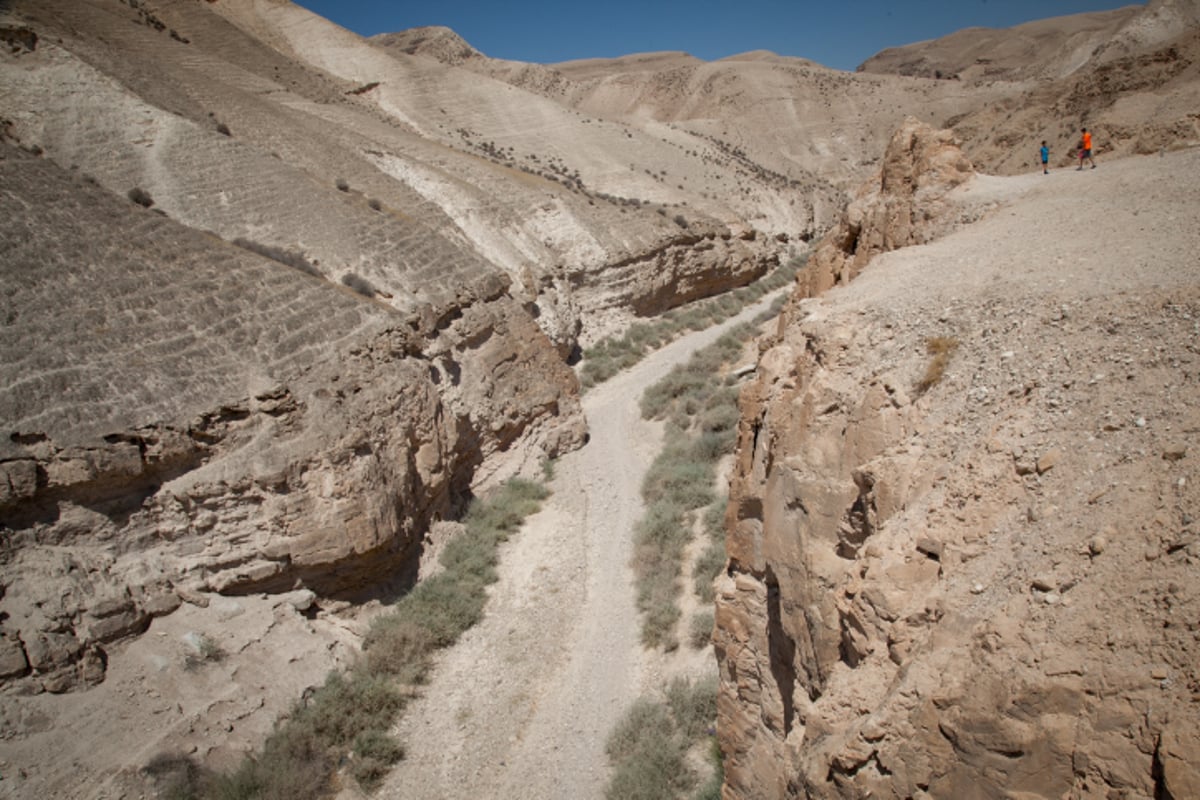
(838, 33)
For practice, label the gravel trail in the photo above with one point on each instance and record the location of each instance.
(522, 705)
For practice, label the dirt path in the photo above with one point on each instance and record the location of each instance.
(522, 705)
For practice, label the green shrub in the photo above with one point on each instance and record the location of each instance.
(700, 629)
(648, 747)
(374, 754)
(693, 705)
(445, 605)
(644, 722)
(707, 567)
(658, 772)
(397, 646)
(347, 705)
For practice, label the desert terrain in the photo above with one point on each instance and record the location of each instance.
(279, 303)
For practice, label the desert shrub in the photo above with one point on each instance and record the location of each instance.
(445, 605)
(298, 758)
(693, 705)
(711, 788)
(397, 646)
(347, 705)
(291, 258)
(940, 348)
(679, 219)
(649, 745)
(359, 284)
(719, 418)
(700, 629)
(374, 754)
(375, 205)
(342, 185)
(658, 772)
(508, 508)
(223, 129)
(644, 721)
(140, 196)
(707, 567)
(177, 777)
(205, 650)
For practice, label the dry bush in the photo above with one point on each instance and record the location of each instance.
(359, 284)
(941, 348)
(292, 258)
(140, 196)
(700, 629)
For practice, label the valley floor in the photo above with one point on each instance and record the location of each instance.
(522, 706)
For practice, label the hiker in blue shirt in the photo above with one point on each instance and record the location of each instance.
(1045, 151)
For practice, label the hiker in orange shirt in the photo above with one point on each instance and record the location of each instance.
(1085, 149)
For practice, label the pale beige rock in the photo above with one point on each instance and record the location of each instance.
(1016, 671)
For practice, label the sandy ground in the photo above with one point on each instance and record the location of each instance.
(522, 705)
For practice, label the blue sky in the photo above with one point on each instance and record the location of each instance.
(839, 33)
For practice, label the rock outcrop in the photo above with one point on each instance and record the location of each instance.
(905, 203)
(968, 575)
(183, 419)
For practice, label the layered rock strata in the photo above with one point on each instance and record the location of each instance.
(184, 417)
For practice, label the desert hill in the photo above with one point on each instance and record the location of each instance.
(1041, 80)
(1048, 48)
(276, 300)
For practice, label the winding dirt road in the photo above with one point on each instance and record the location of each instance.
(522, 705)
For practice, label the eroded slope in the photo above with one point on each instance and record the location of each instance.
(980, 582)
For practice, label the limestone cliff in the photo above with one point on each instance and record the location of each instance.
(967, 575)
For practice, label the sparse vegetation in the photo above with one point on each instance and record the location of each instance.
(701, 415)
(140, 196)
(223, 129)
(203, 650)
(342, 185)
(649, 746)
(616, 353)
(375, 205)
(700, 629)
(292, 258)
(359, 284)
(941, 348)
(347, 719)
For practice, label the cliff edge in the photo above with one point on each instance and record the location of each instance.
(962, 533)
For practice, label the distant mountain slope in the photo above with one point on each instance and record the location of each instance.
(1048, 48)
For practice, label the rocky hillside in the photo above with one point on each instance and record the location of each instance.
(962, 529)
(1129, 75)
(277, 299)
(186, 417)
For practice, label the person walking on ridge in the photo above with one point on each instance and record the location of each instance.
(1045, 154)
(1085, 149)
